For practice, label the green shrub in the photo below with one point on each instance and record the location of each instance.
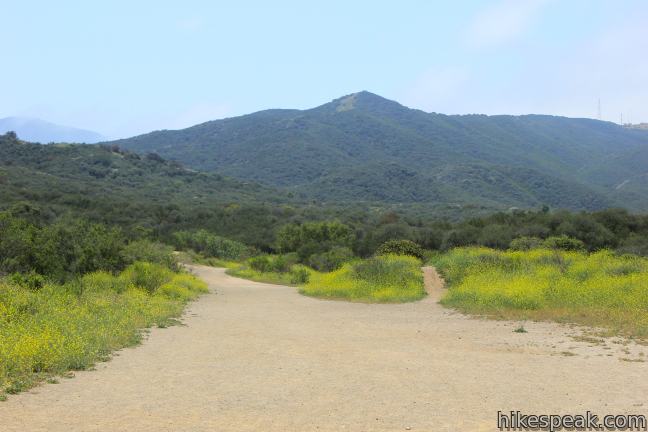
(58, 251)
(330, 260)
(153, 252)
(321, 236)
(272, 263)
(31, 280)
(282, 263)
(525, 243)
(260, 263)
(563, 243)
(145, 275)
(299, 275)
(401, 247)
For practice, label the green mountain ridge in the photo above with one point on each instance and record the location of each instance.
(104, 182)
(365, 147)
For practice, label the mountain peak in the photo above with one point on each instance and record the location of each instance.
(363, 101)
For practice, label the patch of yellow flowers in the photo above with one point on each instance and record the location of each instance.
(69, 327)
(380, 279)
(600, 289)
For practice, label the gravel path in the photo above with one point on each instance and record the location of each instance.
(259, 357)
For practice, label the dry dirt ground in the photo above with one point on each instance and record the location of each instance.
(259, 357)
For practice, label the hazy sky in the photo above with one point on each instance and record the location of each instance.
(128, 67)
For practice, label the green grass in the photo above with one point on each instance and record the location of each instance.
(382, 279)
(599, 289)
(244, 272)
(58, 328)
(294, 277)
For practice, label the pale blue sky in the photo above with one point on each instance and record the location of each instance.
(128, 67)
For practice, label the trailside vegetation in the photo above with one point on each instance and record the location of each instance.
(599, 289)
(73, 291)
(52, 328)
(381, 279)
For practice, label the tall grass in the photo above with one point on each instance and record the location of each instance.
(58, 328)
(598, 289)
(383, 279)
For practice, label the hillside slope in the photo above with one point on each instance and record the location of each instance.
(108, 183)
(365, 147)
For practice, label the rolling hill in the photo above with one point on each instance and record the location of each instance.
(110, 184)
(362, 147)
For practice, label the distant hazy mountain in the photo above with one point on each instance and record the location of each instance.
(362, 147)
(36, 130)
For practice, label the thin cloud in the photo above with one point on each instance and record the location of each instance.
(436, 88)
(503, 22)
(191, 24)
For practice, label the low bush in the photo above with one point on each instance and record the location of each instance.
(330, 260)
(31, 280)
(146, 275)
(385, 278)
(261, 264)
(153, 252)
(564, 243)
(299, 275)
(401, 247)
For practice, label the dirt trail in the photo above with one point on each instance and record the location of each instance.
(258, 357)
(434, 285)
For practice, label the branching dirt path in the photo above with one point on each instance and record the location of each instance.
(258, 357)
